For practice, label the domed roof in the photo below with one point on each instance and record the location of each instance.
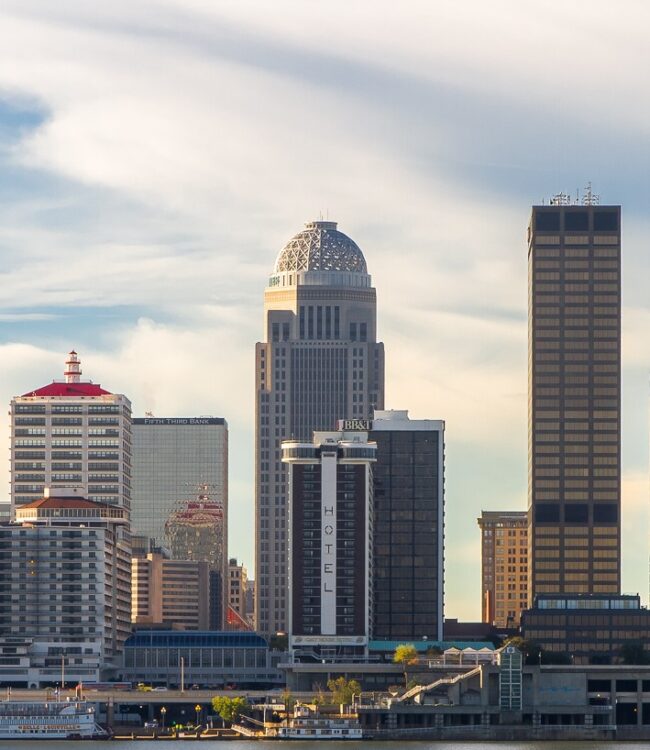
(321, 247)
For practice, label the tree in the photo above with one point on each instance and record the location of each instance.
(405, 654)
(343, 691)
(288, 700)
(229, 708)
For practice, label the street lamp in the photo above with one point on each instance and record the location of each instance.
(197, 708)
(163, 711)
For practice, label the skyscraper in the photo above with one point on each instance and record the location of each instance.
(408, 526)
(319, 362)
(330, 535)
(173, 458)
(574, 262)
(71, 433)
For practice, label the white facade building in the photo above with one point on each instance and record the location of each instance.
(65, 584)
(71, 433)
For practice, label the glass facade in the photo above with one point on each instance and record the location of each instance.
(172, 458)
(407, 548)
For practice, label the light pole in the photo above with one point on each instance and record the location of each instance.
(63, 670)
(197, 708)
(163, 711)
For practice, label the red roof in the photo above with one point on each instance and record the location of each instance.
(74, 503)
(73, 390)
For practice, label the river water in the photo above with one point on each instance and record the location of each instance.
(311, 745)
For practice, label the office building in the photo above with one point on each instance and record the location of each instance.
(71, 433)
(330, 539)
(238, 590)
(588, 629)
(172, 458)
(574, 262)
(65, 583)
(319, 362)
(504, 566)
(408, 526)
(173, 592)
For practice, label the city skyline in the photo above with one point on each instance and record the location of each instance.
(449, 200)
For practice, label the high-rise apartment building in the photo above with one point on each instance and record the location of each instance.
(174, 592)
(330, 538)
(504, 566)
(320, 362)
(173, 457)
(574, 262)
(408, 524)
(71, 433)
(65, 583)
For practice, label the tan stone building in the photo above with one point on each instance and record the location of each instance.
(504, 566)
(174, 592)
(238, 588)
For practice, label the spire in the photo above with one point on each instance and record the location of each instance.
(72, 368)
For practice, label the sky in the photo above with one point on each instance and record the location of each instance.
(156, 156)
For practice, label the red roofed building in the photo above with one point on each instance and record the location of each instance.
(71, 433)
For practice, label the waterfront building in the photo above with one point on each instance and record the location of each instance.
(588, 629)
(65, 584)
(330, 539)
(71, 433)
(173, 592)
(208, 659)
(504, 566)
(319, 362)
(574, 265)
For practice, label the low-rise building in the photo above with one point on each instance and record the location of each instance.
(588, 629)
(208, 659)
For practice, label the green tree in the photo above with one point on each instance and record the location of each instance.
(288, 700)
(343, 690)
(230, 709)
(405, 654)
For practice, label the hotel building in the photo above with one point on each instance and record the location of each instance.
(330, 539)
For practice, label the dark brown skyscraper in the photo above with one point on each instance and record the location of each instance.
(574, 287)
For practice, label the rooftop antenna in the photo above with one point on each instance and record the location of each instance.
(590, 198)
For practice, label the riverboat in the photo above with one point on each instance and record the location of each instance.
(49, 720)
(309, 724)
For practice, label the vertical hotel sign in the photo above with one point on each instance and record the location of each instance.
(328, 542)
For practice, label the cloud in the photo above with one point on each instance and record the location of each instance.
(157, 155)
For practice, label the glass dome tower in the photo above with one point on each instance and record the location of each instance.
(319, 362)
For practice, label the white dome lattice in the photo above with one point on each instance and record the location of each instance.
(321, 247)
